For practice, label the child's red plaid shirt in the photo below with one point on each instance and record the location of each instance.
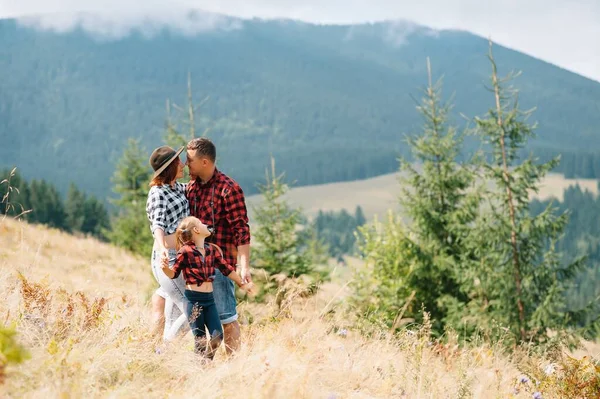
(196, 268)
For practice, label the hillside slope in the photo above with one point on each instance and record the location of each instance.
(331, 103)
(81, 346)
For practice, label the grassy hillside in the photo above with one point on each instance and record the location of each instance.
(379, 194)
(95, 344)
(331, 103)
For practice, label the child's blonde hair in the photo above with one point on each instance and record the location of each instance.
(185, 234)
(184, 231)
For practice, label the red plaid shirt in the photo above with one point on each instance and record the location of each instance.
(221, 198)
(196, 268)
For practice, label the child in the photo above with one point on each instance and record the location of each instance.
(197, 261)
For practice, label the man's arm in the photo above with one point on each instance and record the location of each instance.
(244, 254)
(237, 217)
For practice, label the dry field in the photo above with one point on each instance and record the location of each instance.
(82, 345)
(378, 194)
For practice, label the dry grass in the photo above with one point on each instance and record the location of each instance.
(96, 343)
(378, 194)
(76, 264)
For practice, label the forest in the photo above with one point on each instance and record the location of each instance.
(330, 103)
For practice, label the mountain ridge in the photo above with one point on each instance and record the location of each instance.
(328, 108)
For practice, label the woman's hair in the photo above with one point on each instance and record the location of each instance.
(167, 176)
(184, 232)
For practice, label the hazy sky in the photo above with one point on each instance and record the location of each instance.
(564, 32)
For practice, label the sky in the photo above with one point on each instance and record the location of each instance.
(563, 32)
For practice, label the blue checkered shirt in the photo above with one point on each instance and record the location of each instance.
(166, 207)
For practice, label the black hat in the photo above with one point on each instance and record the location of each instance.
(162, 157)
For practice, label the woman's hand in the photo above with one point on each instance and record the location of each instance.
(161, 243)
(164, 254)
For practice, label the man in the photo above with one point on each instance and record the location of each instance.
(218, 201)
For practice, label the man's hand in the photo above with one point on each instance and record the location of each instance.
(250, 289)
(245, 275)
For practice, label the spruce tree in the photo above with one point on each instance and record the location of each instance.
(439, 207)
(280, 246)
(47, 205)
(380, 286)
(359, 215)
(130, 228)
(132, 175)
(521, 281)
(96, 221)
(75, 208)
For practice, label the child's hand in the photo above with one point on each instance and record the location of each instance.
(165, 262)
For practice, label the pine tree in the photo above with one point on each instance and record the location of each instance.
(39, 213)
(437, 201)
(130, 228)
(75, 208)
(380, 286)
(521, 280)
(280, 248)
(359, 216)
(318, 250)
(47, 205)
(131, 176)
(96, 221)
(56, 206)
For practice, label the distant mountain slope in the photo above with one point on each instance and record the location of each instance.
(331, 103)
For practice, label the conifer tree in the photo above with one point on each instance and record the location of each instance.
(96, 221)
(75, 208)
(439, 207)
(521, 280)
(381, 289)
(359, 215)
(280, 248)
(130, 228)
(47, 205)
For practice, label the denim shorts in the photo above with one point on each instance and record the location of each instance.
(224, 292)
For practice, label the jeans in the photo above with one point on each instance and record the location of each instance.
(202, 314)
(175, 301)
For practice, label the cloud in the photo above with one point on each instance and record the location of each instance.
(105, 25)
(396, 33)
(562, 32)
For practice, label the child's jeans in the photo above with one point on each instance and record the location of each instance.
(202, 313)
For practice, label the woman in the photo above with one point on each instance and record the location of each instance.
(166, 207)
